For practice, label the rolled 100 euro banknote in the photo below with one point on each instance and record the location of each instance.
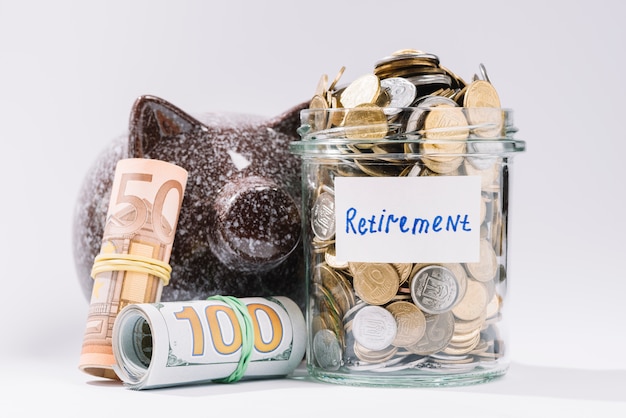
(179, 343)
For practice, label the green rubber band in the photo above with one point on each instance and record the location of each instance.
(247, 336)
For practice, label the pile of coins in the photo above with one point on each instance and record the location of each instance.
(410, 117)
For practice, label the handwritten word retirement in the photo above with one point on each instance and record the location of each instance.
(390, 223)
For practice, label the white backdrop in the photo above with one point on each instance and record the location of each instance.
(71, 70)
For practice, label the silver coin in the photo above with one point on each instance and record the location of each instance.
(428, 79)
(401, 92)
(435, 289)
(323, 216)
(415, 122)
(327, 350)
(483, 72)
(439, 332)
(374, 327)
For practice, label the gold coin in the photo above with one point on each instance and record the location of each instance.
(462, 326)
(486, 268)
(320, 90)
(445, 129)
(384, 99)
(319, 116)
(411, 323)
(439, 166)
(331, 259)
(481, 93)
(374, 356)
(473, 303)
(338, 287)
(337, 78)
(407, 51)
(376, 283)
(404, 271)
(363, 90)
(446, 122)
(325, 300)
(466, 347)
(462, 338)
(479, 98)
(365, 121)
(318, 102)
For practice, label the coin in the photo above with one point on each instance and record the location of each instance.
(327, 350)
(439, 331)
(479, 97)
(320, 90)
(327, 304)
(415, 122)
(434, 289)
(365, 121)
(319, 115)
(363, 90)
(449, 123)
(462, 326)
(318, 102)
(323, 216)
(374, 327)
(411, 323)
(331, 259)
(404, 271)
(472, 305)
(486, 268)
(338, 287)
(337, 78)
(375, 283)
(463, 348)
(445, 128)
(401, 92)
(481, 93)
(374, 356)
(443, 165)
(461, 276)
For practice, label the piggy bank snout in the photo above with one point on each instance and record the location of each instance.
(255, 225)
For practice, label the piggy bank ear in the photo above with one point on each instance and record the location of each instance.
(153, 120)
(288, 122)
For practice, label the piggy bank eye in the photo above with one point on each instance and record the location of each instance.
(256, 225)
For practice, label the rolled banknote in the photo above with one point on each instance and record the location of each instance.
(201, 341)
(132, 266)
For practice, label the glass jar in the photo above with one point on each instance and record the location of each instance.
(405, 228)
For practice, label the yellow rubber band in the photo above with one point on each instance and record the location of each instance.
(131, 262)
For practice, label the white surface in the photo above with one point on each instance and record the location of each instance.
(70, 71)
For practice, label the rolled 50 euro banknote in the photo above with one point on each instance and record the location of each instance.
(201, 341)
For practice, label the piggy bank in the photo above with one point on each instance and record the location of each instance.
(239, 230)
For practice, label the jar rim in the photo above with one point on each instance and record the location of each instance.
(339, 131)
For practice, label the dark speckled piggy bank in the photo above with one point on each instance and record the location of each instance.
(239, 228)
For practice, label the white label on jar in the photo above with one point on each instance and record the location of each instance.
(408, 219)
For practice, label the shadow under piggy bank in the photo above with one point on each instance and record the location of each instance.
(239, 230)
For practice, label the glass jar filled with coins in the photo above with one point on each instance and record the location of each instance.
(405, 177)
